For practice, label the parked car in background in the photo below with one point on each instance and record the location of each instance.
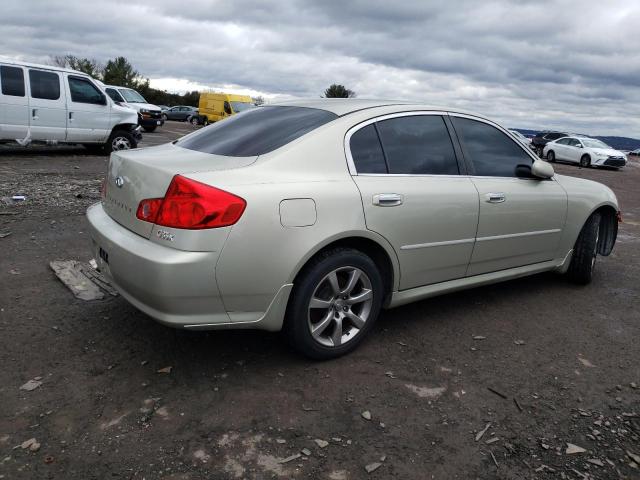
(149, 116)
(216, 106)
(183, 113)
(542, 138)
(521, 138)
(635, 152)
(46, 104)
(163, 108)
(294, 217)
(585, 151)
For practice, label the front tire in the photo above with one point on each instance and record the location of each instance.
(585, 250)
(551, 157)
(585, 161)
(334, 304)
(120, 140)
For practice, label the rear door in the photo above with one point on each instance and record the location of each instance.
(521, 219)
(89, 112)
(14, 103)
(47, 105)
(414, 195)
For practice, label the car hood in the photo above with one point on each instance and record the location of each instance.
(138, 106)
(608, 151)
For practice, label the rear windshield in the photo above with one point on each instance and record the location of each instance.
(257, 131)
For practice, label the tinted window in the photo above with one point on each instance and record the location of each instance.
(44, 84)
(574, 142)
(115, 96)
(367, 151)
(256, 131)
(12, 80)
(492, 152)
(418, 145)
(83, 91)
(563, 141)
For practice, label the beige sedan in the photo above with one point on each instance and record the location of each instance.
(312, 216)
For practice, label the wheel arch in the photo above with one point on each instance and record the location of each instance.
(373, 245)
(608, 228)
(124, 126)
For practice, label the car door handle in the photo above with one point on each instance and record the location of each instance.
(495, 197)
(71, 116)
(387, 199)
(34, 114)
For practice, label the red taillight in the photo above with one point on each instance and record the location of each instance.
(192, 205)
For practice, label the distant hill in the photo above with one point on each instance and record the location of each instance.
(619, 143)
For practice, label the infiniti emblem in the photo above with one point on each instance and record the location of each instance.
(119, 182)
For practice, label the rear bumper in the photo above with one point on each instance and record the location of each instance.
(175, 287)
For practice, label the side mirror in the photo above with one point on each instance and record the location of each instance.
(542, 169)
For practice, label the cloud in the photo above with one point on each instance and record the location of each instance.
(559, 64)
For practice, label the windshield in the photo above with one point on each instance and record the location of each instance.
(594, 143)
(131, 96)
(241, 106)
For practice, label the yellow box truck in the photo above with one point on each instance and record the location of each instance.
(216, 106)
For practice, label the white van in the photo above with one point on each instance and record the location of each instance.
(46, 104)
(149, 116)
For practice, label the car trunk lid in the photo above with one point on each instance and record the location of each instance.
(134, 175)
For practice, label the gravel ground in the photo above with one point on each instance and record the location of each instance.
(493, 382)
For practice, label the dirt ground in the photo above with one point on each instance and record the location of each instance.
(563, 363)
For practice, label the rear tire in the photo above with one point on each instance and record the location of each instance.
(551, 157)
(194, 121)
(585, 250)
(334, 304)
(205, 121)
(585, 161)
(164, 117)
(120, 140)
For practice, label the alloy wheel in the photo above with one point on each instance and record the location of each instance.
(120, 143)
(340, 306)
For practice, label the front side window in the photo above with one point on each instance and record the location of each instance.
(45, 85)
(563, 141)
(491, 152)
(83, 91)
(12, 80)
(574, 142)
(418, 145)
(115, 96)
(366, 151)
(241, 106)
(257, 131)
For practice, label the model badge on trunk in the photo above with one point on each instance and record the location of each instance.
(119, 182)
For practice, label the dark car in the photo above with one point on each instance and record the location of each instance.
(180, 112)
(542, 138)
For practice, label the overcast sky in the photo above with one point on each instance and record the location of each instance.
(529, 64)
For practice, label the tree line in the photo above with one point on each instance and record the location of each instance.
(119, 71)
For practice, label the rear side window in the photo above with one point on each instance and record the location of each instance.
(492, 153)
(256, 131)
(83, 91)
(366, 151)
(418, 145)
(12, 80)
(44, 85)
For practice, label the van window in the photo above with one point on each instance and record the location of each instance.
(12, 81)
(113, 93)
(83, 91)
(44, 85)
(257, 131)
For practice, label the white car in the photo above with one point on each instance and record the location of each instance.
(522, 139)
(585, 151)
(52, 105)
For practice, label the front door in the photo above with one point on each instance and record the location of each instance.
(47, 106)
(89, 112)
(413, 194)
(521, 219)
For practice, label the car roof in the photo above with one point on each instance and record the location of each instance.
(7, 61)
(345, 106)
